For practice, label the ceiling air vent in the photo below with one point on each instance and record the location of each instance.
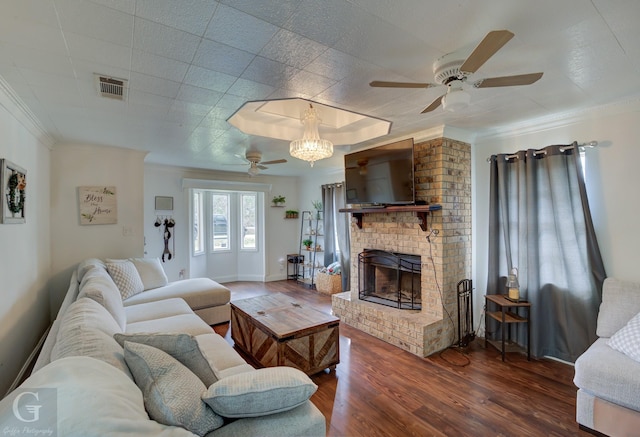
(111, 87)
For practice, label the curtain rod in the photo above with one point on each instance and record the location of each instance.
(588, 145)
(335, 185)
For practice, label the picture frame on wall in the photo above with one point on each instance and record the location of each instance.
(13, 180)
(164, 203)
(98, 205)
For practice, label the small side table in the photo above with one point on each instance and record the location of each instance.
(507, 313)
(295, 260)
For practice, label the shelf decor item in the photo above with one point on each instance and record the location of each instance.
(307, 243)
(14, 192)
(513, 288)
(291, 214)
(278, 200)
(317, 205)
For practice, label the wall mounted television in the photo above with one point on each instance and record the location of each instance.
(381, 175)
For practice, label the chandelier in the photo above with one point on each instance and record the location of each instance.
(311, 147)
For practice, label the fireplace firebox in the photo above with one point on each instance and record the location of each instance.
(390, 278)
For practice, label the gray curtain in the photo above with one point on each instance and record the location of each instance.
(336, 231)
(539, 222)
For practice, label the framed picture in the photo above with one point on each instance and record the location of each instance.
(164, 203)
(98, 205)
(13, 179)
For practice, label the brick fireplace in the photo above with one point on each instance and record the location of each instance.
(442, 176)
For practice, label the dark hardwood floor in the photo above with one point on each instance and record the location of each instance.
(381, 390)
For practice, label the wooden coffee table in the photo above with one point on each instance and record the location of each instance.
(276, 330)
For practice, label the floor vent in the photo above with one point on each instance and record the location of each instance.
(111, 87)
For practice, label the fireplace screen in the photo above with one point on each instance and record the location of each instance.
(390, 278)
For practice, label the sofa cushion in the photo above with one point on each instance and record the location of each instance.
(182, 347)
(182, 323)
(172, 393)
(156, 310)
(126, 277)
(151, 272)
(98, 285)
(627, 340)
(85, 265)
(261, 392)
(197, 292)
(609, 374)
(222, 357)
(620, 302)
(92, 397)
(87, 329)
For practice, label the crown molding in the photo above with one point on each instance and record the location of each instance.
(21, 112)
(560, 120)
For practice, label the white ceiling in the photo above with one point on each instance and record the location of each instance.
(192, 63)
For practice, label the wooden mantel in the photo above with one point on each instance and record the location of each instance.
(421, 211)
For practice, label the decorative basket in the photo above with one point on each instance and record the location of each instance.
(328, 284)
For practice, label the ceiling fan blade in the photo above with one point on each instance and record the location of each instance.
(433, 104)
(486, 49)
(383, 84)
(261, 167)
(275, 161)
(521, 79)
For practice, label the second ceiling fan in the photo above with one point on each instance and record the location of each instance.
(452, 71)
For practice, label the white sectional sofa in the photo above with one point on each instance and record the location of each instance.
(607, 377)
(110, 367)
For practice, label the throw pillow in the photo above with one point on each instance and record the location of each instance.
(627, 339)
(172, 393)
(182, 347)
(126, 277)
(151, 272)
(260, 392)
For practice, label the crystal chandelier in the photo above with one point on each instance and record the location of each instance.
(311, 147)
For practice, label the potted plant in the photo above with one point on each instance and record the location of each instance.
(307, 243)
(317, 205)
(291, 213)
(278, 200)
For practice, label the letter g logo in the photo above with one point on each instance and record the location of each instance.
(34, 410)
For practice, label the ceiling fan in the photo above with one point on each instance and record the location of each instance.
(452, 70)
(254, 158)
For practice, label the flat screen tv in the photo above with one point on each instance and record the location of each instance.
(381, 175)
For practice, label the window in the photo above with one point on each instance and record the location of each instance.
(198, 237)
(220, 218)
(248, 213)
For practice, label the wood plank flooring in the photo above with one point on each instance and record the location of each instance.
(381, 390)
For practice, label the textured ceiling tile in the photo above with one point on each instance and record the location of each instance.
(95, 21)
(159, 66)
(38, 11)
(153, 85)
(250, 90)
(292, 49)
(273, 11)
(147, 99)
(325, 22)
(188, 15)
(267, 71)
(255, 32)
(222, 58)
(202, 96)
(209, 79)
(337, 65)
(164, 41)
(88, 49)
(33, 35)
(127, 6)
(45, 62)
(309, 83)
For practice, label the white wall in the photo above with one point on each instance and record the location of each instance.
(612, 180)
(73, 166)
(25, 261)
(281, 234)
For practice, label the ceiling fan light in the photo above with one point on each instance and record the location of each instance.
(456, 100)
(311, 147)
(253, 170)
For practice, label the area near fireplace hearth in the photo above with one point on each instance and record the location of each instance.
(442, 176)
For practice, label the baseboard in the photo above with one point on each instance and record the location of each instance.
(28, 365)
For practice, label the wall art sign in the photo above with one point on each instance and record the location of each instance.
(98, 205)
(13, 180)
